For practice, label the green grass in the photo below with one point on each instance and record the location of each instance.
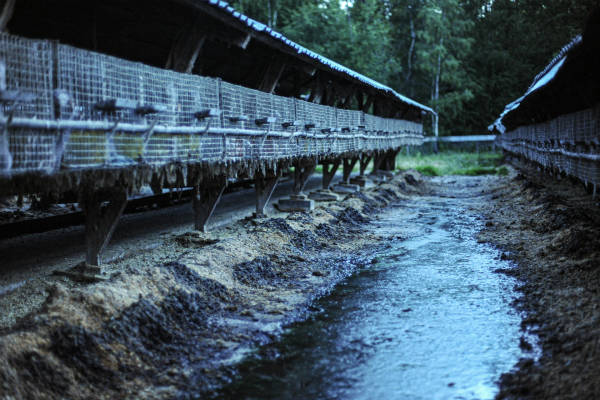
(428, 170)
(502, 171)
(453, 163)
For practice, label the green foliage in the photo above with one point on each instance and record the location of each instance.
(453, 163)
(514, 41)
(428, 170)
(358, 37)
(474, 171)
(466, 58)
(502, 171)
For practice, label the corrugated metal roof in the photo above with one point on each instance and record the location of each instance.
(262, 28)
(542, 79)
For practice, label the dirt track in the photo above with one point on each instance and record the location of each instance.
(551, 230)
(173, 320)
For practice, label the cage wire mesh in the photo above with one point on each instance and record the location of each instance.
(568, 144)
(100, 111)
(26, 84)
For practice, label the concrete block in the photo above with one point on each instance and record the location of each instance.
(386, 174)
(84, 273)
(360, 180)
(323, 195)
(377, 179)
(296, 203)
(345, 188)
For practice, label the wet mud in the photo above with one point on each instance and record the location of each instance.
(550, 229)
(172, 322)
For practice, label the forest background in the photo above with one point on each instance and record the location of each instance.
(465, 58)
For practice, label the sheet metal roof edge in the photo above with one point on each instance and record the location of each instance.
(262, 28)
(577, 40)
(558, 60)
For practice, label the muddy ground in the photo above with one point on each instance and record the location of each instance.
(171, 321)
(551, 229)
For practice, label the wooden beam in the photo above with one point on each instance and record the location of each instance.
(330, 95)
(232, 38)
(329, 170)
(360, 99)
(368, 103)
(273, 43)
(244, 41)
(264, 188)
(272, 75)
(316, 92)
(302, 171)
(100, 220)
(186, 48)
(307, 69)
(348, 166)
(7, 13)
(206, 197)
(344, 93)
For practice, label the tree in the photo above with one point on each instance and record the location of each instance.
(465, 58)
(357, 36)
(273, 13)
(514, 40)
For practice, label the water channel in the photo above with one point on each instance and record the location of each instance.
(428, 319)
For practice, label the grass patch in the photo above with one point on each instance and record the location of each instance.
(476, 171)
(502, 171)
(453, 163)
(428, 170)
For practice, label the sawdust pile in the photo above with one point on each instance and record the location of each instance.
(172, 321)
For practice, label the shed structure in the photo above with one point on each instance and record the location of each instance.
(556, 123)
(100, 98)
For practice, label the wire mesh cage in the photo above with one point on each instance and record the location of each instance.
(26, 92)
(90, 110)
(26, 77)
(317, 115)
(371, 122)
(568, 143)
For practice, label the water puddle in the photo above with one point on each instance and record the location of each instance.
(428, 319)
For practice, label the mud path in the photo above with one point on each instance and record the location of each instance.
(551, 230)
(428, 319)
(173, 319)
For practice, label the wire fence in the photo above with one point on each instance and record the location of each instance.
(569, 143)
(67, 108)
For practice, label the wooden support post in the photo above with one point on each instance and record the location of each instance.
(271, 76)
(368, 103)
(377, 162)
(364, 162)
(389, 161)
(101, 221)
(346, 102)
(7, 13)
(329, 173)
(264, 187)
(205, 199)
(186, 49)
(316, 92)
(349, 164)
(243, 41)
(330, 96)
(302, 171)
(359, 99)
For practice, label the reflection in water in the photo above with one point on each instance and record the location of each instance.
(427, 320)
